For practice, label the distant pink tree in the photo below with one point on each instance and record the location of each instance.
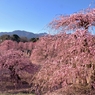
(20, 45)
(18, 65)
(8, 44)
(30, 45)
(25, 45)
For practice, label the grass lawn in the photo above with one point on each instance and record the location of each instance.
(15, 94)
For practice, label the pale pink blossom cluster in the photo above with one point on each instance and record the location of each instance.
(80, 20)
(66, 60)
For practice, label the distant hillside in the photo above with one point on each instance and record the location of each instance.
(24, 34)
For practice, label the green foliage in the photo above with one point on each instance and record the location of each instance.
(34, 39)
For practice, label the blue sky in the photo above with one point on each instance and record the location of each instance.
(35, 15)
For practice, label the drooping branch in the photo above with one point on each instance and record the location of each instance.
(80, 20)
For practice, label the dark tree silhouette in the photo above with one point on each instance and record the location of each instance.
(34, 39)
(15, 37)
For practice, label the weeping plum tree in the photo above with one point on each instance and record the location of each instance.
(73, 62)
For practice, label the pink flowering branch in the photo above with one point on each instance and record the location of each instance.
(80, 20)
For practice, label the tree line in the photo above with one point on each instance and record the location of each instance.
(17, 38)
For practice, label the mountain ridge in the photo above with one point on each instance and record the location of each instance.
(23, 33)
